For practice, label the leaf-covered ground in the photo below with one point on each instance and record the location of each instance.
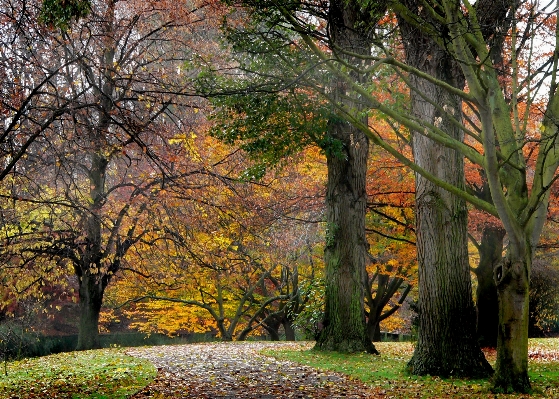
(99, 374)
(239, 371)
(291, 370)
(385, 376)
(261, 370)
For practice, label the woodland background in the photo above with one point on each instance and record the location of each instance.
(128, 202)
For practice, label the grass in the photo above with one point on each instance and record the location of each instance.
(386, 376)
(97, 374)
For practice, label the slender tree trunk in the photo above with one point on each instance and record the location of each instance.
(447, 343)
(373, 330)
(511, 369)
(88, 270)
(487, 305)
(346, 199)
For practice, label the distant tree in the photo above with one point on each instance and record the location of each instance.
(95, 180)
(232, 253)
(392, 269)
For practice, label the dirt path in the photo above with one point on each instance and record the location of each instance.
(238, 371)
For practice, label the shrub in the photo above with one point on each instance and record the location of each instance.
(544, 299)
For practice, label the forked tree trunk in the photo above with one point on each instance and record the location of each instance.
(386, 288)
(447, 343)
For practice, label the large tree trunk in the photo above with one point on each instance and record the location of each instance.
(344, 326)
(447, 343)
(511, 370)
(487, 305)
(91, 299)
(92, 281)
(346, 246)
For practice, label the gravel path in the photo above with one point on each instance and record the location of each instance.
(238, 371)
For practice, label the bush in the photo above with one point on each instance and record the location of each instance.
(16, 341)
(308, 320)
(544, 299)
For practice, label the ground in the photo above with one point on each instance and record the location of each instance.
(237, 371)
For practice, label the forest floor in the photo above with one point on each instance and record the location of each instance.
(255, 370)
(238, 371)
(266, 370)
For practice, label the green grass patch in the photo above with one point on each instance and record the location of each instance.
(386, 375)
(96, 374)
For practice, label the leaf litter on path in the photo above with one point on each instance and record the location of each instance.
(239, 371)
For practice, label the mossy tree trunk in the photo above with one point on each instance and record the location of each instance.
(344, 325)
(346, 247)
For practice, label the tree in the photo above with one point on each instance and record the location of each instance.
(350, 31)
(521, 210)
(487, 235)
(259, 46)
(501, 127)
(231, 252)
(490, 255)
(28, 106)
(98, 175)
(447, 341)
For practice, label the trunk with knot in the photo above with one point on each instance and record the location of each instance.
(490, 255)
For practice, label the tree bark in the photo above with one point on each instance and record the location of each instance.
(91, 299)
(344, 325)
(487, 305)
(289, 330)
(511, 368)
(346, 245)
(447, 343)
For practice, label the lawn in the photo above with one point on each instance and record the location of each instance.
(385, 373)
(99, 374)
